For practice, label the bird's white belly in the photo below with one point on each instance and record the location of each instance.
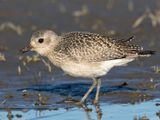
(91, 70)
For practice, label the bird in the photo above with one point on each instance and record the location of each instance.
(85, 54)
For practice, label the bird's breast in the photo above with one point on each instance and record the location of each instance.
(85, 69)
(88, 70)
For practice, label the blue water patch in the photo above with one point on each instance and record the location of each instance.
(149, 110)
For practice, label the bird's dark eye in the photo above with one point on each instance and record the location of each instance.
(40, 40)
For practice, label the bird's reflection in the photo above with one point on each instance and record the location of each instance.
(88, 111)
(98, 111)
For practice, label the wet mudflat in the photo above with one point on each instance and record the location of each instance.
(139, 111)
(32, 89)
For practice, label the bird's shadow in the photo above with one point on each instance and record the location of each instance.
(77, 89)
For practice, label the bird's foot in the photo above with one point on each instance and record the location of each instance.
(73, 101)
(78, 103)
(95, 102)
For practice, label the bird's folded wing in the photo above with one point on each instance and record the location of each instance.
(91, 47)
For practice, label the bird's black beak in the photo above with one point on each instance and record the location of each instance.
(26, 49)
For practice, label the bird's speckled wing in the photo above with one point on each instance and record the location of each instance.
(91, 47)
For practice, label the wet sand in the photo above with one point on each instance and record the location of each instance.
(29, 83)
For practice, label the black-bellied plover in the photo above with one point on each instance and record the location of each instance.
(85, 54)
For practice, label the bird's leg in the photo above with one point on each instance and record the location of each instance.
(89, 91)
(98, 90)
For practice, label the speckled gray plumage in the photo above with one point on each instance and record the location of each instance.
(92, 47)
(84, 54)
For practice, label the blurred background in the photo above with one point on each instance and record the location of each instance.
(26, 77)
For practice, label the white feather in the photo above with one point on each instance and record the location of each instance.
(92, 70)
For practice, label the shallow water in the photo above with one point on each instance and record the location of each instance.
(32, 89)
(138, 111)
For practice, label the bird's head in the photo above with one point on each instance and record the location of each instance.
(42, 42)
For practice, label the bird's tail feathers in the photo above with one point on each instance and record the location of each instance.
(146, 53)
